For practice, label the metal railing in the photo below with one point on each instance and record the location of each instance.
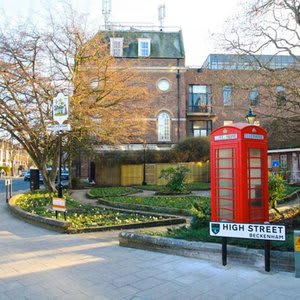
(200, 109)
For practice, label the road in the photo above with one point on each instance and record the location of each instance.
(18, 184)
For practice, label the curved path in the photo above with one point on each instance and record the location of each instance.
(36, 263)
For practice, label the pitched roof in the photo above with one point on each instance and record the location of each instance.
(163, 44)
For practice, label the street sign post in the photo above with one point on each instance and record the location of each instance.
(60, 114)
(59, 204)
(59, 127)
(266, 232)
(8, 188)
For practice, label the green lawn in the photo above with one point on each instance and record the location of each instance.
(97, 192)
(178, 202)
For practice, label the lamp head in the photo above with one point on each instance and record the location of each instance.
(250, 116)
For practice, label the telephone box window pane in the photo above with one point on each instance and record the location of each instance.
(226, 204)
(256, 203)
(255, 162)
(225, 193)
(255, 193)
(255, 173)
(225, 183)
(225, 153)
(255, 182)
(255, 152)
(225, 173)
(226, 214)
(225, 163)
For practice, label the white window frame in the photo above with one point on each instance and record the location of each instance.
(141, 50)
(116, 47)
(163, 127)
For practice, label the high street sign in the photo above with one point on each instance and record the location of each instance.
(248, 231)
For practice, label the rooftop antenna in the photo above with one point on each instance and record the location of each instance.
(106, 10)
(161, 15)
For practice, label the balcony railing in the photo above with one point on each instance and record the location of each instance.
(207, 109)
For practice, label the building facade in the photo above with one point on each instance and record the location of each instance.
(285, 162)
(191, 102)
(13, 157)
(159, 57)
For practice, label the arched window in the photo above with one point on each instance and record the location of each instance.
(164, 127)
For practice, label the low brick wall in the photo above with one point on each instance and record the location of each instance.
(281, 261)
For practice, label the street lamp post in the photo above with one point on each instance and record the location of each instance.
(59, 187)
(250, 117)
(60, 114)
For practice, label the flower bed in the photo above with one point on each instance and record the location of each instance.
(81, 217)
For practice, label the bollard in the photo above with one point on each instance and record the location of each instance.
(297, 252)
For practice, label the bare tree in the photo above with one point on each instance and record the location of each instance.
(37, 64)
(266, 27)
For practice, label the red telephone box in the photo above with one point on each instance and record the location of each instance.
(239, 174)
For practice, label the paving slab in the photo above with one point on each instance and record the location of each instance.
(36, 263)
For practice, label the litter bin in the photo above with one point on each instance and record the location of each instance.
(34, 179)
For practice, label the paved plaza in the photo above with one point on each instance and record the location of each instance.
(36, 263)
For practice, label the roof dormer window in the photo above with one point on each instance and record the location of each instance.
(144, 47)
(116, 47)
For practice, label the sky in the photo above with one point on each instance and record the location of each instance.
(199, 20)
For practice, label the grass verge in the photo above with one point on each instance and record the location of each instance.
(172, 202)
(102, 192)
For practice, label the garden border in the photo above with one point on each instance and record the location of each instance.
(56, 225)
(63, 226)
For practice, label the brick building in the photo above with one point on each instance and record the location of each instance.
(159, 56)
(13, 156)
(195, 101)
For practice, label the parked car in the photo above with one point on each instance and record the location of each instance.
(64, 175)
(22, 173)
(27, 175)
